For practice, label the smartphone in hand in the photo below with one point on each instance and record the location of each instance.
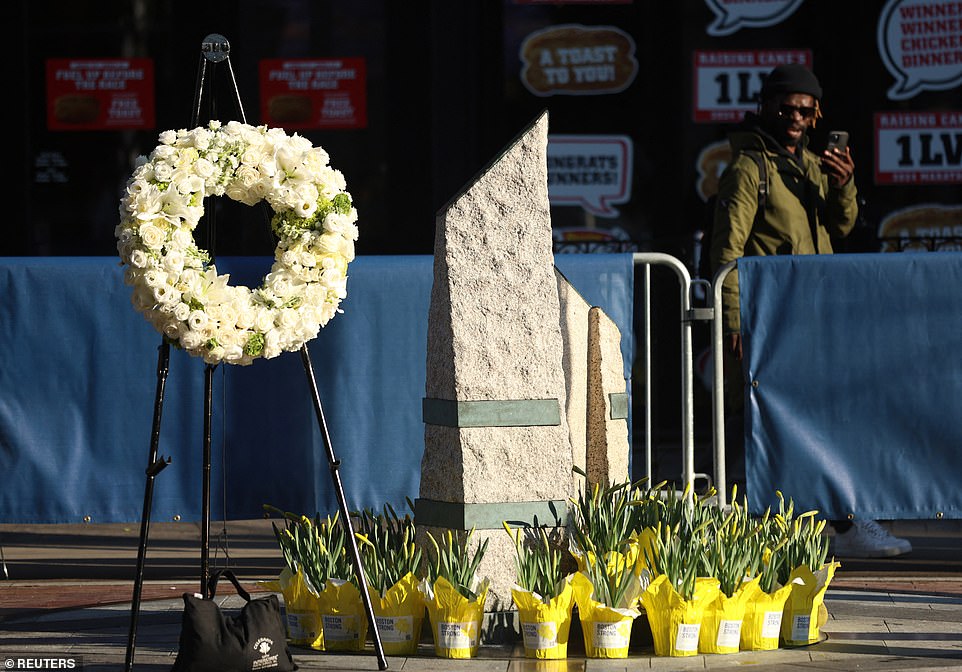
(837, 140)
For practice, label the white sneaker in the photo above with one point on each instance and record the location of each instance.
(868, 539)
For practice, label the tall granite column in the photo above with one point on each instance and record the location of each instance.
(496, 443)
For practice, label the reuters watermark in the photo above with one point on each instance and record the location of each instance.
(42, 662)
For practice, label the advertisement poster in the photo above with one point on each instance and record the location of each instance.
(730, 15)
(920, 42)
(315, 93)
(578, 60)
(727, 83)
(101, 94)
(593, 171)
(918, 147)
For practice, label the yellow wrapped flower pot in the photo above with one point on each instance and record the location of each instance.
(399, 614)
(676, 622)
(544, 625)
(455, 620)
(722, 622)
(301, 610)
(606, 629)
(804, 612)
(343, 621)
(761, 627)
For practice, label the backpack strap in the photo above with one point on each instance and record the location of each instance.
(762, 180)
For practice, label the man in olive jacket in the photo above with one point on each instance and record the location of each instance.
(810, 198)
(806, 200)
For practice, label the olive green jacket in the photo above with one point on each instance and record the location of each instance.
(785, 227)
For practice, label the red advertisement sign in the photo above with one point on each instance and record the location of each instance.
(727, 83)
(101, 94)
(918, 147)
(314, 93)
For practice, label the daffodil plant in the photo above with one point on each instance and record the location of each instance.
(387, 547)
(316, 547)
(454, 561)
(538, 562)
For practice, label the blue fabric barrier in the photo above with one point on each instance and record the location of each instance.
(854, 404)
(78, 382)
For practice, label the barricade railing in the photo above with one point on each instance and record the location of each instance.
(718, 385)
(688, 316)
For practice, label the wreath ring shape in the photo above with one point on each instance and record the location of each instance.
(175, 285)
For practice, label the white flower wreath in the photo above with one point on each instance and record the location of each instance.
(174, 284)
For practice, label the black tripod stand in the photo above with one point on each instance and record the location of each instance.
(215, 49)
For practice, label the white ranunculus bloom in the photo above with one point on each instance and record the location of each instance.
(197, 320)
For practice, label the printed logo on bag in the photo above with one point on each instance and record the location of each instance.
(340, 628)
(729, 634)
(801, 627)
(458, 635)
(772, 625)
(687, 638)
(540, 635)
(395, 629)
(612, 635)
(263, 646)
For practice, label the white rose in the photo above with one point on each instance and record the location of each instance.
(246, 318)
(181, 312)
(174, 261)
(182, 238)
(329, 243)
(138, 258)
(152, 235)
(192, 340)
(287, 318)
(264, 320)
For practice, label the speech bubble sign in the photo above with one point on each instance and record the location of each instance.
(920, 45)
(578, 60)
(926, 226)
(730, 15)
(593, 171)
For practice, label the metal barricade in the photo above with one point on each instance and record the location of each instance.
(688, 316)
(718, 385)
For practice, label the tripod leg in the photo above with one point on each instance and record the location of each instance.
(335, 464)
(154, 467)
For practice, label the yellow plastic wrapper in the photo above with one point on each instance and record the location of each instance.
(544, 626)
(399, 614)
(676, 622)
(721, 624)
(644, 541)
(343, 621)
(455, 620)
(805, 612)
(606, 630)
(301, 613)
(762, 625)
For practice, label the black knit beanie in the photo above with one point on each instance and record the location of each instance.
(791, 78)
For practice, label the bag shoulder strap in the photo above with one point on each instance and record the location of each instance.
(229, 575)
(762, 179)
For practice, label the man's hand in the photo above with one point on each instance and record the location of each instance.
(839, 166)
(735, 345)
